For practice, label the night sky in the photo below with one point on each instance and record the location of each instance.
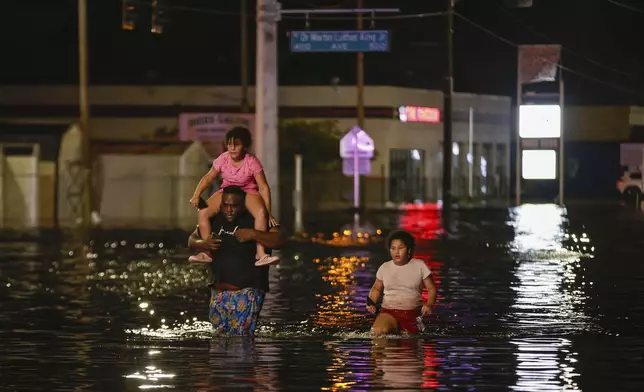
(603, 57)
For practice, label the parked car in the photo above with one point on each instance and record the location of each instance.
(630, 186)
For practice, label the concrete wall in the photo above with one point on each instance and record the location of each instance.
(68, 208)
(597, 123)
(19, 181)
(490, 126)
(636, 115)
(192, 166)
(46, 191)
(212, 95)
(150, 190)
(138, 190)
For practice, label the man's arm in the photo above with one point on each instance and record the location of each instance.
(197, 244)
(194, 239)
(273, 239)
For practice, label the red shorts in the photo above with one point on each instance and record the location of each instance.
(406, 319)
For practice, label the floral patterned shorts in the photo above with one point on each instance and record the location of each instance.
(235, 312)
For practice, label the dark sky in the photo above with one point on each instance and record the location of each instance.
(602, 43)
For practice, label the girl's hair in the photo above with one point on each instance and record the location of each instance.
(241, 133)
(406, 239)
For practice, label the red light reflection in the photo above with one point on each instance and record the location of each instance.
(422, 220)
(430, 364)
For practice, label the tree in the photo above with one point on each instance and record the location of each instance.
(317, 141)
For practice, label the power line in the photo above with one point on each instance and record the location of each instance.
(626, 6)
(312, 17)
(581, 74)
(391, 17)
(580, 55)
(208, 11)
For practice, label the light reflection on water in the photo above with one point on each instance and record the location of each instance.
(337, 309)
(131, 315)
(545, 364)
(549, 294)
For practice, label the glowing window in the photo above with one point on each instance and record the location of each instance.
(539, 164)
(539, 121)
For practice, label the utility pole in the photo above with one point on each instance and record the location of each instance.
(360, 109)
(83, 70)
(266, 96)
(470, 157)
(562, 162)
(266, 87)
(447, 122)
(245, 105)
(360, 74)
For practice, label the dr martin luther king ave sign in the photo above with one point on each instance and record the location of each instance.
(340, 41)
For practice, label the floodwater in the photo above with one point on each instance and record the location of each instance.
(531, 299)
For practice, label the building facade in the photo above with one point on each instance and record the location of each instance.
(409, 160)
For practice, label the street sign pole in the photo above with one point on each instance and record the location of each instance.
(269, 13)
(356, 187)
(266, 97)
(356, 150)
(356, 176)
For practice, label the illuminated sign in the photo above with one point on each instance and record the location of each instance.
(539, 164)
(419, 114)
(540, 121)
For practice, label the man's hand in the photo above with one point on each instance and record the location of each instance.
(426, 310)
(205, 245)
(244, 235)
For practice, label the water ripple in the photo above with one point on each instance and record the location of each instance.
(536, 298)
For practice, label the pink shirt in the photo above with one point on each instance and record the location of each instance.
(242, 176)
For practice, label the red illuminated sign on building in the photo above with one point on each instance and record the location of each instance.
(419, 114)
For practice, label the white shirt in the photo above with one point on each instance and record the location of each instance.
(403, 284)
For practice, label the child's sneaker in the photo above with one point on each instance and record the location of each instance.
(201, 257)
(267, 260)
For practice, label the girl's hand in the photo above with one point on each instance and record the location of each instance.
(426, 310)
(195, 201)
(272, 222)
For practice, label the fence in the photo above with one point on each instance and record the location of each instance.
(163, 202)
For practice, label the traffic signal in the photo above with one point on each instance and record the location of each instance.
(519, 3)
(130, 14)
(159, 16)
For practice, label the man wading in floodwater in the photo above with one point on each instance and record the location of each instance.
(238, 287)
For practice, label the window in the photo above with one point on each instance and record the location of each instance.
(406, 175)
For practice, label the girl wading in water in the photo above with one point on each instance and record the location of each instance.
(239, 168)
(401, 280)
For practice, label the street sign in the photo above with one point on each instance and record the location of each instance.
(356, 150)
(340, 41)
(365, 147)
(364, 166)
